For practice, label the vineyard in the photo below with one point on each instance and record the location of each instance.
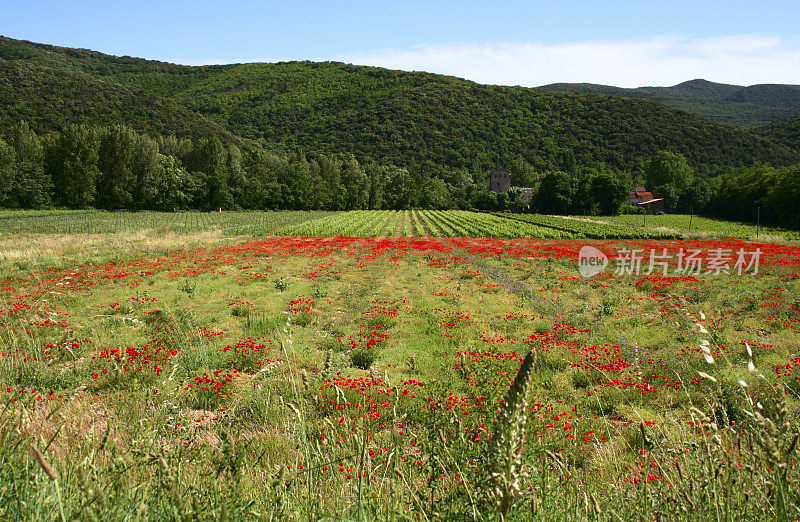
(698, 225)
(580, 228)
(383, 223)
(420, 223)
(99, 222)
(358, 223)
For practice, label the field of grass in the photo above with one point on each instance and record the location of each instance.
(166, 376)
(703, 225)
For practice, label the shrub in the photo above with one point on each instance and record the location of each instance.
(630, 209)
(363, 358)
(240, 311)
(303, 319)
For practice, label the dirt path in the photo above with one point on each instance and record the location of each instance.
(535, 300)
(401, 220)
(390, 228)
(626, 225)
(695, 234)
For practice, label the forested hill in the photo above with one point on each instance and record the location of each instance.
(428, 123)
(422, 120)
(786, 132)
(50, 99)
(734, 105)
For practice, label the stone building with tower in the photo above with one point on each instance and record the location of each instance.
(500, 182)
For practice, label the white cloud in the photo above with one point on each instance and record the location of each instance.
(744, 59)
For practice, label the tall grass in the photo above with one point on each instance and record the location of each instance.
(141, 466)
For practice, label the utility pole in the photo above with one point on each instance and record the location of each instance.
(690, 220)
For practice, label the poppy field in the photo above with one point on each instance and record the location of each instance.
(202, 376)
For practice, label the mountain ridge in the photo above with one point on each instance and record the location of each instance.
(736, 105)
(432, 124)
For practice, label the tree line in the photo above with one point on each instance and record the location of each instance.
(116, 168)
(741, 193)
(772, 192)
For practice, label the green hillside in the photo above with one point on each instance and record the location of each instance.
(428, 123)
(417, 119)
(786, 132)
(50, 99)
(734, 105)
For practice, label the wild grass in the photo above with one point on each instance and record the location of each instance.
(404, 393)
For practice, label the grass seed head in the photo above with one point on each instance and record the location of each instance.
(509, 438)
(43, 463)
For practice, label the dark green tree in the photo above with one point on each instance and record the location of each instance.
(555, 194)
(461, 186)
(305, 184)
(209, 165)
(169, 186)
(377, 176)
(147, 167)
(696, 198)
(516, 201)
(523, 174)
(670, 196)
(609, 192)
(434, 194)
(33, 188)
(330, 169)
(116, 182)
(738, 194)
(568, 163)
(782, 197)
(583, 198)
(71, 160)
(484, 199)
(8, 183)
(180, 148)
(237, 177)
(355, 184)
(503, 201)
(399, 192)
(668, 176)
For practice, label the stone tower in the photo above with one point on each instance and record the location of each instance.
(500, 180)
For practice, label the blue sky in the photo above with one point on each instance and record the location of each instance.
(506, 42)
